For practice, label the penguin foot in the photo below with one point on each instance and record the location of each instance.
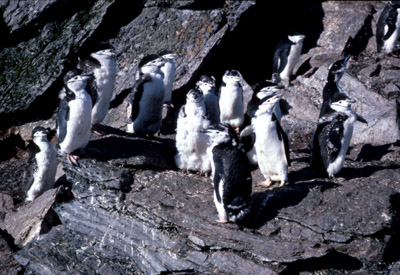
(96, 130)
(283, 183)
(73, 159)
(168, 105)
(222, 221)
(266, 183)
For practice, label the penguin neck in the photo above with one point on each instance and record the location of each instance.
(80, 93)
(43, 144)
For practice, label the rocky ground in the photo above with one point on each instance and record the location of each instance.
(128, 210)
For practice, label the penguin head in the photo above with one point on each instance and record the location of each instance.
(296, 38)
(78, 82)
(151, 64)
(168, 55)
(206, 84)
(222, 133)
(267, 105)
(103, 54)
(195, 96)
(342, 104)
(232, 76)
(336, 70)
(270, 91)
(39, 133)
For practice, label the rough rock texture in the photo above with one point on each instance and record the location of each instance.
(126, 209)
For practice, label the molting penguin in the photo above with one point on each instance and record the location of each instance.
(230, 173)
(231, 99)
(169, 73)
(146, 102)
(332, 86)
(74, 117)
(211, 99)
(333, 136)
(286, 56)
(191, 142)
(43, 164)
(387, 28)
(272, 144)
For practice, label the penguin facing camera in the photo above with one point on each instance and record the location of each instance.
(211, 98)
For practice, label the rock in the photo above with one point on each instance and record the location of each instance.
(6, 205)
(8, 265)
(34, 218)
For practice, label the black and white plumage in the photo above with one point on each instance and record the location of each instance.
(332, 137)
(231, 174)
(387, 27)
(332, 86)
(261, 93)
(211, 98)
(146, 102)
(74, 117)
(272, 144)
(191, 142)
(42, 164)
(168, 69)
(231, 99)
(286, 56)
(103, 68)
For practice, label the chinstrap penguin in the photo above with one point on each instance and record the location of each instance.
(332, 85)
(43, 164)
(231, 99)
(387, 27)
(211, 99)
(146, 101)
(191, 142)
(333, 136)
(272, 144)
(168, 70)
(74, 118)
(262, 92)
(231, 174)
(286, 56)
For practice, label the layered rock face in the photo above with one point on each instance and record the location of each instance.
(127, 209)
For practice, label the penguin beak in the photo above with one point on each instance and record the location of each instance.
(361, 119)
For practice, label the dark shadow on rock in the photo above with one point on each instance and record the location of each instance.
(332, 260)
(266, 205)
(204, 5)
(392, 252)
(370, 152)
(352, 173)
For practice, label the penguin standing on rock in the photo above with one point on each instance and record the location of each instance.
(103, 66)
(43, 164)
(191, 142)
(387, 28)
(231, 174)
(272, 144)
(286, 56)
(207, 85)
(169, 74)
(332, 85)
(74, 118)
(231, 99)
(333, 136)
(147, 97)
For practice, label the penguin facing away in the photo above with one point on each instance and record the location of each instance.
(43, 164)
(286, 56)
(211, 99)
(231, 99)
(104, 76)
(272, 144)
(74, 118)
(333, 136)
(230, 173)
(387, 27)
(332, 86)
(146, 102)
(169, 73)
(191, 142)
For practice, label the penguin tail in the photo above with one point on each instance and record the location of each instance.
(239, 209)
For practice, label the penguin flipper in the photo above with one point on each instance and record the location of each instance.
(281, 54)
(136, 96)
(390, 23)
(248, 130)
(62, 118)
(332, 145)
(283, 137)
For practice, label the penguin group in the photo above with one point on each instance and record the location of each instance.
(216, 133)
